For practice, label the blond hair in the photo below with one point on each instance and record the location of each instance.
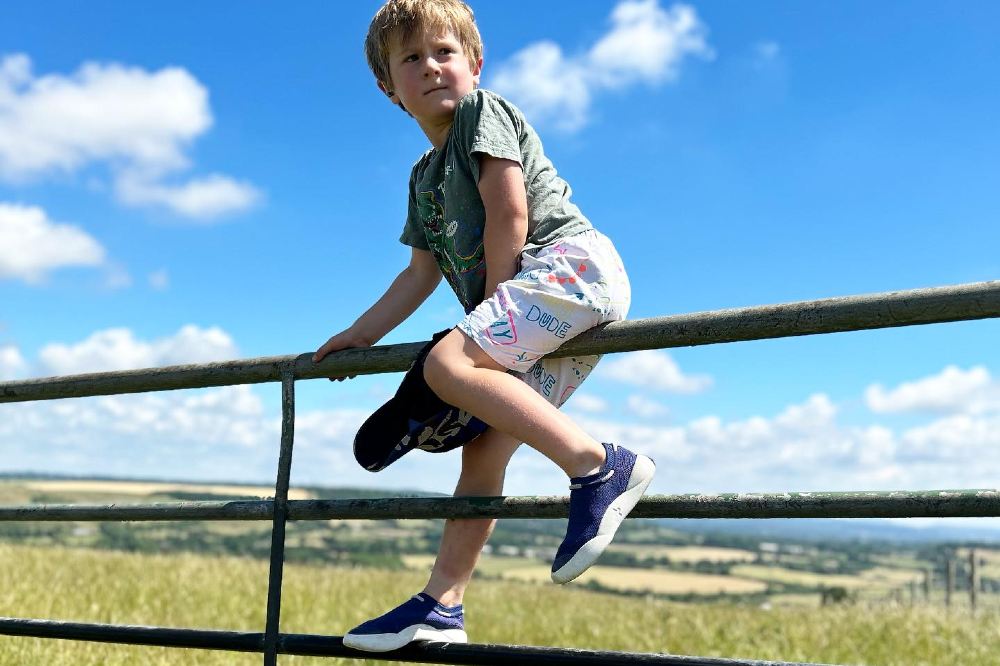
(398, 20)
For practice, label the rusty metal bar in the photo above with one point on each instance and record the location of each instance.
(332, 646)
(978, 300)
(857, 504)
(280, 517)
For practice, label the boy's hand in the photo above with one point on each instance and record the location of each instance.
(348, 339)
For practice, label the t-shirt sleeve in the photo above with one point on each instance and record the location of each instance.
(413, 231)
(486, 124)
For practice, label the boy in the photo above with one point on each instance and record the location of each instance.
(488, 212)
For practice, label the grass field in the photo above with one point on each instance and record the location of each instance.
(621, 579)
(197, 591)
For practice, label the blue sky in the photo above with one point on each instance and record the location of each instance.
(184, 183)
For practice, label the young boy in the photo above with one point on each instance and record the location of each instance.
(488, 212)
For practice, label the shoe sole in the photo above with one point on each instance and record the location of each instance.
(620, 507)
(417, 632)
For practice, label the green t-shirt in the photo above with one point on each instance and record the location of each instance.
(446, 214)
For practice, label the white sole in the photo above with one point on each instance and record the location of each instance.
(417, 632)
(639, 480)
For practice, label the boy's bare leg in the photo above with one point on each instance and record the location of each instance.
(462, 374)
(484, 462)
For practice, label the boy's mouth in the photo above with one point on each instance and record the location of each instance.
(436, 89)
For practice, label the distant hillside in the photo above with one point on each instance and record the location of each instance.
(829, 529)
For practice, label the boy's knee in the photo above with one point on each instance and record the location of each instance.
(480, 480)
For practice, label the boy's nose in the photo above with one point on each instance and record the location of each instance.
(431, 66)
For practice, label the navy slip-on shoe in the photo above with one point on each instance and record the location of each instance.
(421, 618)
(597, 506)
(414, 418)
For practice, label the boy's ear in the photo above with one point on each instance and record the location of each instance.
(477, 71)
(390, 93)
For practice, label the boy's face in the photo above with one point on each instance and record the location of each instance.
(430, 73)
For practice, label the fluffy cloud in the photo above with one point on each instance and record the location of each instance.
(12, 364)
(586, 402)
(139, 123)
(646, 44)
(118, 349)
(953, 390)
(765, 52)
(653, 369)
(31, 245)
(209, 434)
(806, 447)
(203, 198)
(642, 406)
(159, 280)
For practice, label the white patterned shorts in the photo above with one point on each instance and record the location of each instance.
(560, 291)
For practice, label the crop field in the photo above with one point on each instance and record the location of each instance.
(685, 553)
(229, 593)
(874, 578)
(653, 581)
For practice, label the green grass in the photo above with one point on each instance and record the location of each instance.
(226, 592)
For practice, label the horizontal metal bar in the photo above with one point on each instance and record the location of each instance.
(861, 504)
(979, 300)
(235, 510)
(332, 646)
(507, 655)
(134, 634)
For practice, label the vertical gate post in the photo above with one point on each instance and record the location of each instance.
(973, 579)
(280, 517)
(950, 585)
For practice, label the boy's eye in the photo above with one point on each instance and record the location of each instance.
(410, 58)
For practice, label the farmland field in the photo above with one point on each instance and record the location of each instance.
(874, 578)
(685, 553)
(226, 592)
(621, 579)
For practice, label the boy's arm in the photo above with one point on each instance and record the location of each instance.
(410, 288)
(501, 186)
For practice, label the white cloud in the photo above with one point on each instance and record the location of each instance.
(159, 280)
(118, 349)
(805, 447)
(138, 123)
(643, 406)
(12, 364)
(203, 198)
(646, 44)
(953, 390)
(117, 277)
(232, 434)
(207, 434)
(766, 51)
(586, 402)
(654, 369)
(31, 245)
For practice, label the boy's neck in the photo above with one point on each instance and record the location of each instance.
(437, 133)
